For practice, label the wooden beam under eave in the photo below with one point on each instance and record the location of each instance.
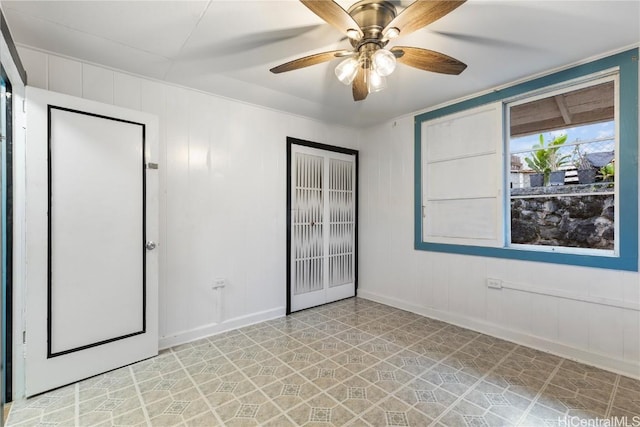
(564, 110)
(547, 125)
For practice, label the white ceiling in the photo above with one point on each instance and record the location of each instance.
(228, 47)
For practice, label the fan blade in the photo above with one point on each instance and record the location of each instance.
(421, 13)
(334, 14)
(428, 60)
(309, 60)
(360, 90)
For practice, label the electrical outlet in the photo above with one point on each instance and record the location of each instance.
(218, 283)
(494, 283)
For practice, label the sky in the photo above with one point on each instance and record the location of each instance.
(575, 134)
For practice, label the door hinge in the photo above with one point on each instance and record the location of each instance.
(24, 337)
(24, 105)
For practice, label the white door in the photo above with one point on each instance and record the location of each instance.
(323, 224)
(92, 222)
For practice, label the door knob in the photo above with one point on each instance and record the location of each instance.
(150, 245)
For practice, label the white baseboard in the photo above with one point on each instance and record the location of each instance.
(623, 367)
(204, 331)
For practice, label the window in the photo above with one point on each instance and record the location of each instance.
(561, 169)
(546, 170)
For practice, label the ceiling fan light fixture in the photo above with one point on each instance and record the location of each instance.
(369, 25)
(391, 33)
(375, 82)
(347, 70)
(384, 62)
(353, 34)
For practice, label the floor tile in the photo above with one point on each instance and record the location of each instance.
(267, 371)
(432, 348)
(570, 402)
(393, 412)
(540, 415)
(211, 369)
(326, 374)
(164, 385)
(629, 384)
(467, 414)
(289, 392)
(583, 385)
(237, 413)
(355, 360)
(357, 394)
(411, 362)
(204, 352)
(320, 411)
(451, 379)
(330, 346)
(476, 366)
(351, 363)
(113, 404)
(514, 381)
(426, 397)
(263, 334)
(248, 356)
(628, 400)
(227, 388)
(301, 358)
(386, 376)
(498, 401)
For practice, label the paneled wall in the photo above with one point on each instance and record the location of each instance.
(223, 185)
(223, 215)
(585, 313)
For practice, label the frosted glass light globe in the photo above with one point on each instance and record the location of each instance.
(375, 82)
(346, 70)
(384, 62)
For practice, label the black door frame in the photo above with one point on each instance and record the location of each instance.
(295, 141)
(7, 287)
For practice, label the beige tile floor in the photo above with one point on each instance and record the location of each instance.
(353, 362)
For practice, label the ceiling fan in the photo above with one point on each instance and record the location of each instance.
(369, 25)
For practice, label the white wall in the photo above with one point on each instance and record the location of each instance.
(223, 192)
(578, 321)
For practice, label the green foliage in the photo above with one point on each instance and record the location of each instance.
(539, 160)
(546, 158)
(608, 171)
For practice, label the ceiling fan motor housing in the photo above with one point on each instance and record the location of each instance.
(372, 16)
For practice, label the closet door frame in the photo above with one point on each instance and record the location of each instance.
(295, 141)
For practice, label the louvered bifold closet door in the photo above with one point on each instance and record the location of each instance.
(323, 219)
(341, 222)
(308, 214)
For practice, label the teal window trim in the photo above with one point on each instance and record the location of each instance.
(627, 204)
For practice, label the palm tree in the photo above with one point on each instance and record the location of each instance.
(546, 159)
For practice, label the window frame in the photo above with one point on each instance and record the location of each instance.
(565, 87)
(626, 64)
